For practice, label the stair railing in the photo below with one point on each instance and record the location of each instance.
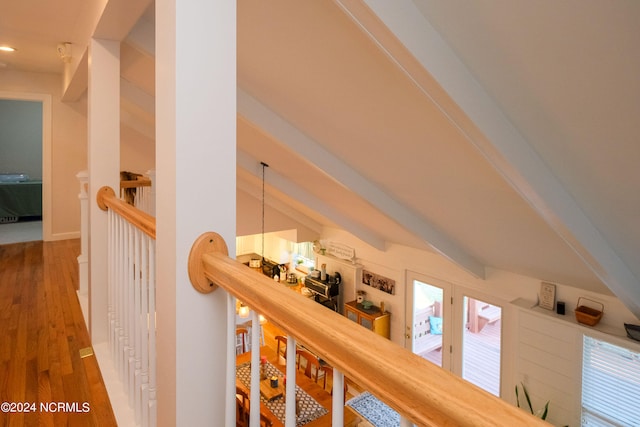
(131, 302)
(139, 192)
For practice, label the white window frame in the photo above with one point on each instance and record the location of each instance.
(591, 416)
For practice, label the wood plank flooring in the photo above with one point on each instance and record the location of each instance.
(481, 357)
(41, 334)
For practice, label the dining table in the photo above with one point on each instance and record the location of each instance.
(311, 388)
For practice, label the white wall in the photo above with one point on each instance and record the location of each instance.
(249, 217)
(277, 245)
(137, 152)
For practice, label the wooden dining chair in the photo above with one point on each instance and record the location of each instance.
(282, 344)
(242, 407)
(326, 370)
(311, 366)
(241, 340)
(243, 410)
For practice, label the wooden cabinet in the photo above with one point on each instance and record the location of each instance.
(371, 318)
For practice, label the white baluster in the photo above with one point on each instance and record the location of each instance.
(111, 278)
(144, 333)
(230, 379)
(152, 335)
(126, 272)
(130, 307)
(254, 417)
(119, 298)
(290, 407)
(137, 327)
(140, 199)
(83, 258)
(125, 306)
(337, 405)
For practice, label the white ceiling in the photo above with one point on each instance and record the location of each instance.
(500, 134)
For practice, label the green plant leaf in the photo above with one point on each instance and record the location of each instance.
(541, 413)
(526, 395)
(545, 412)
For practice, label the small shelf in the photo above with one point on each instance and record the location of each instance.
(569, 317)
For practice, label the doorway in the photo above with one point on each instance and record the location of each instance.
(455, 329)
(428, 320)
(39, 174)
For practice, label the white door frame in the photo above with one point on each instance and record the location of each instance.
(447, 314)
(453, 318)
(462, 292)
(45, 99)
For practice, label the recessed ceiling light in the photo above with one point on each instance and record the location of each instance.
(7, 48)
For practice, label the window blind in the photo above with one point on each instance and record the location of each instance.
(610, 384)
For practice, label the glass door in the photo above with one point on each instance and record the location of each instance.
(481, 344)
(427, 319)
(456, 329)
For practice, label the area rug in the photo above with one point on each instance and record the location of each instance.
(310, 409)
(375, 411)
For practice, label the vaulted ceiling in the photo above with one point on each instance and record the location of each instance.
(499, 134)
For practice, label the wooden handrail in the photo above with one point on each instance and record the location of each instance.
(419, 390)
(144, 182)
(107, 199)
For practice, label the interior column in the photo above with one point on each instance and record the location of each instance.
(103, 119)
(196, 192)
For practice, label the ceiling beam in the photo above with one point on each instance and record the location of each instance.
(142, 37)
(137, 96)
(408, 38)
(118, 18)
(114, 22)
(76, 79)
(286, 186)
(335, 168)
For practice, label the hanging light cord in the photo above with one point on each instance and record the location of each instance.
(264, 166)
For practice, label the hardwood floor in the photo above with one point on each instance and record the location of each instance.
(41, 334)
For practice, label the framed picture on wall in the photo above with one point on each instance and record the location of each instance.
(379, 282)
(547, 295)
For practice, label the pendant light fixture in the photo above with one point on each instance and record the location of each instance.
(264, 166)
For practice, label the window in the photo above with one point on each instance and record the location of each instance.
(610, 384)
(303, 256)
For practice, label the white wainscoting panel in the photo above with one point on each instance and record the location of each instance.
(549, 363)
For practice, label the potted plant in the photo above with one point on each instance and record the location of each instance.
(541, 413)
